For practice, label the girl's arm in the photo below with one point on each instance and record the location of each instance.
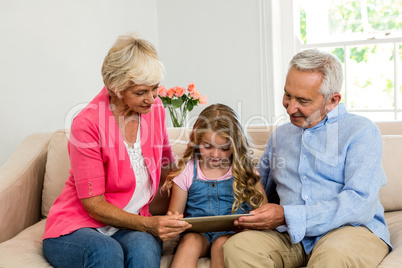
(261, 188)
(178, 200)
(160, 203)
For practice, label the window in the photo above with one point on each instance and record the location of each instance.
(366, 35)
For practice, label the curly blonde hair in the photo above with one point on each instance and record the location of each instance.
(224, 121)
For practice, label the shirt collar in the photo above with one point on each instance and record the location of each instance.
(336, 113)
(332, 116)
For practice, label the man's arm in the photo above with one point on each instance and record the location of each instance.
(355, 203)
(357, 199)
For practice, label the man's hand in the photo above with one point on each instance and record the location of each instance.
(268, 216)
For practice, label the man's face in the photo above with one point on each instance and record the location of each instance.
(302, 100)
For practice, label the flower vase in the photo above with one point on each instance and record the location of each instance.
(177, 116)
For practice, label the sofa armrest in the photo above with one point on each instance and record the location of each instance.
(21, 182)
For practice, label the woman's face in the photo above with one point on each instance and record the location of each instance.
(140, 98)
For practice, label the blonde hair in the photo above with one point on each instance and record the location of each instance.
(131, 61)
(224, 121)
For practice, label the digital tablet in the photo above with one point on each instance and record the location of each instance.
(213, 223)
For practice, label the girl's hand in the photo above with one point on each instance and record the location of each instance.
(166, 227)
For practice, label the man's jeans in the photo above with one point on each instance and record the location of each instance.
(87, 247)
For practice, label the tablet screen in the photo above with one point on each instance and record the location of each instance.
(213, 223)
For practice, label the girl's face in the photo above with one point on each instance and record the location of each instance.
(215, 150)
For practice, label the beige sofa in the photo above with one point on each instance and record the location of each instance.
(34, 175)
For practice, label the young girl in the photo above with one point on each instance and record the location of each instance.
(216, 176)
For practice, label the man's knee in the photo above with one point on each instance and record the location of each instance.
(233, 246)
(348, 247)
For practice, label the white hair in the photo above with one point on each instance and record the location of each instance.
(322, 62)
(131, 61)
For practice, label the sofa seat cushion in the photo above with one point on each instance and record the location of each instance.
(167, 254)
(394, 222)
(25, 249)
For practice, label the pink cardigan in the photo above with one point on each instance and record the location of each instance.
(100, 164)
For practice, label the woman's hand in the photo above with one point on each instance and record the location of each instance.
(266, 217)
(166, 227)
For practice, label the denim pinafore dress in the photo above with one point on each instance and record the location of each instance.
(212, 198)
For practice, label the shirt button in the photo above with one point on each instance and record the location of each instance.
(308, 132)
(304, 177)
(305, 197)
(90, 193)
(89, 184)
(304, 156)
(89, 189)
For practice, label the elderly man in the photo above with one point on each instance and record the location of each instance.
(325, 167)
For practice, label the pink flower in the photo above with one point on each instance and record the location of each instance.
(170, 92)
(195, 94)
(179, 91)
(191, 87)
(203, 100)
(162, 91)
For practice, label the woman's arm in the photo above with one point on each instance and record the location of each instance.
(178, 200)
(164, 227)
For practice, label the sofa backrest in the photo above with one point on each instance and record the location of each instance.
(390, 195)
(258, 135)
(390, 127)
(58, 163)
(57, 167)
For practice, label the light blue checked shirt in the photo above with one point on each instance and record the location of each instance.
(326, 176)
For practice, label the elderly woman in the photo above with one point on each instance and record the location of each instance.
(118, 147)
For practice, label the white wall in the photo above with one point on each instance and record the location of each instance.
(51, 53)
(224, 47)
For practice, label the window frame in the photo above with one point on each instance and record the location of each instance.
(396, 41)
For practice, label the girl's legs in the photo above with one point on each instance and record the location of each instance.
(85, 247)
(217, 251)
(140, 249)
(191, 247)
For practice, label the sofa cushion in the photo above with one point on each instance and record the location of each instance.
(392, 163)
(394, 222)
(390, 127)
(179, 133)
(178, 148)
(57, 167)
(25, 249)
(259, 135)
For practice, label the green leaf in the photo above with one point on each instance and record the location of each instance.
(190, 106)
(176, 103)
(195, 102)
(164, 100)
